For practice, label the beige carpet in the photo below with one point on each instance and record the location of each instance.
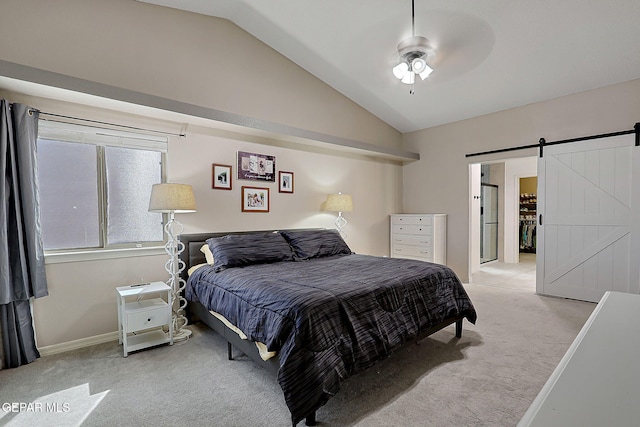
(489, 377)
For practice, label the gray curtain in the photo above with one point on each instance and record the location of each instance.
(22, 273)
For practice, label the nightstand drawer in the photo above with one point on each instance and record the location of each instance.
(145, 314)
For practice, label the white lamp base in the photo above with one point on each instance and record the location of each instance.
(340, 223)
(174, 267)
(182, 335)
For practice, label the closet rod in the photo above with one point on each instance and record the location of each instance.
(181, 134)
(636, 130)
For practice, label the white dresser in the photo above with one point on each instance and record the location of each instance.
(419, 236)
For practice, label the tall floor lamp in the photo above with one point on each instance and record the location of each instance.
(172, 199)
(339, 203)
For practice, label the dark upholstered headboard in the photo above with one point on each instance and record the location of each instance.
(193, 242)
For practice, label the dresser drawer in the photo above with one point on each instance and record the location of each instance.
(416, 230)
(415, 220)
(402, 239)
(415, 251)
(146, 314)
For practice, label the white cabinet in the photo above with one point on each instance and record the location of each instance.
(144, 312)
(419, 236)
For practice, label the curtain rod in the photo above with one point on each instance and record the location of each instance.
(181, 134)
(543, 142)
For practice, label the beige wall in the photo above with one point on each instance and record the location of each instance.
(439, 182)
(206, 62)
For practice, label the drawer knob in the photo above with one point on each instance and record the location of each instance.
(149, 319)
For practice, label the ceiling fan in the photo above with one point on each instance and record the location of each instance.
(413, 54)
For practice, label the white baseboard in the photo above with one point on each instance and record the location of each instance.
(76, 344)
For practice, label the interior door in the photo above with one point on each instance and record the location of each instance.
(586, 244)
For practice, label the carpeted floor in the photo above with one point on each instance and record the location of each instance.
(488, 377)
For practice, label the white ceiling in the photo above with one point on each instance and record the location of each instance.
(491, 54)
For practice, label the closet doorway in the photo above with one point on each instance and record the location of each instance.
(528, 236)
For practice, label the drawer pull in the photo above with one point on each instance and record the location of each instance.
(149, 319)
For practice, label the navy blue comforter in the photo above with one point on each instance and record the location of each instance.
(330, 317)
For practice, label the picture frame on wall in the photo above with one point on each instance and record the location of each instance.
(285, 182)
(255, 199)
(256, 167)
(221, 178)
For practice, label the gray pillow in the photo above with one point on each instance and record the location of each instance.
(308, 244)
(238, 250)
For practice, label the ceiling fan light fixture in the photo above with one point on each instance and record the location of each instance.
(400, 70)
(418, 65)
(413, 52)
(427, 70)
(409, 78)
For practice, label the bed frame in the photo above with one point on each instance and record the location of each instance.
(195, 310)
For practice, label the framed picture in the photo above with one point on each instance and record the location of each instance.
(285, 182)
(221, 177)
(257, 167)
(255, 199)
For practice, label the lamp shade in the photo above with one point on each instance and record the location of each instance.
(339, 203)
(167, 198)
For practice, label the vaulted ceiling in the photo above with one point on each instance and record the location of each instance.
(490, 55)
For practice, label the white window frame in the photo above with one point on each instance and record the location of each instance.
(105, 137)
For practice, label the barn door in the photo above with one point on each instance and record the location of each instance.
(586, 241)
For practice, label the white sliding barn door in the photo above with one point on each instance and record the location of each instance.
(586, 243)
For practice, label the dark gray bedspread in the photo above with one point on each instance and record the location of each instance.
(330, 317)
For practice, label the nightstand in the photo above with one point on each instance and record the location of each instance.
(143, 312)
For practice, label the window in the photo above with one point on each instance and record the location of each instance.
(94, 187)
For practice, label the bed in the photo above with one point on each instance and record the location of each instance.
(326, 313)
